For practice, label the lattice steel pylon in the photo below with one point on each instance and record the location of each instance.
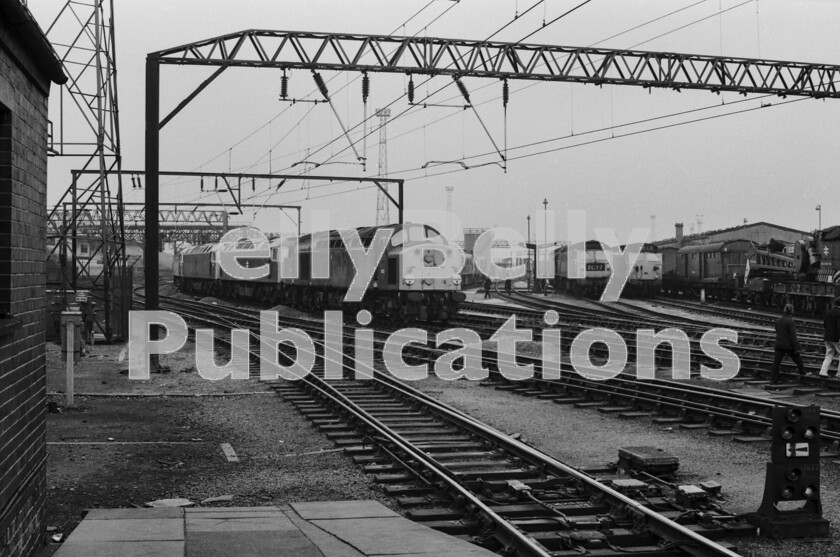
(88, 127)
(383, 215)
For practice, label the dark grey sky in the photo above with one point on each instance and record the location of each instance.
(772, 164)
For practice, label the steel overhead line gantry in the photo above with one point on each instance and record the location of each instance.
(195, 223)
(460, 58)
(457, 58)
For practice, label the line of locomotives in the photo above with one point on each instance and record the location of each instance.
(645, 278)
(395, 291)
(806, 274)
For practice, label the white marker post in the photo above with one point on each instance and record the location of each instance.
(70, 320)
(70, 328)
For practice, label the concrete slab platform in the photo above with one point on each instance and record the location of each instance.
(220, 513)
(250, 544)
(328, 544)
(123, 514)
(228, 524)
(123, 549)
(322, 529)
(128, 530)
(239, 511)
(396, 536)
(342, 509)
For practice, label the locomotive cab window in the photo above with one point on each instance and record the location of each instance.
(398, 238)
(393, 270)
(433, 235)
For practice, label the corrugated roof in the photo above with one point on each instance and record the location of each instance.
(693, 237)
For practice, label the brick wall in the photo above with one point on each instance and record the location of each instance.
(23, 177)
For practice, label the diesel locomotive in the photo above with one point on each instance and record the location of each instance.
(645, 278)
(396, 290)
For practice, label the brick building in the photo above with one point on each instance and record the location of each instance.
(758, 232)
(28, 66)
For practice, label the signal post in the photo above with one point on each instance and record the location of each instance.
(791, 506)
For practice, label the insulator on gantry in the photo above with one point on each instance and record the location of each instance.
(410, 89)
(463, 89)
(202, 183)
(284, 86)
(365, 87)
(505, 93)
(322, 87)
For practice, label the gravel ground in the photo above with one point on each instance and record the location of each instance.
(584, 437)
(104, 370)
(93, 462)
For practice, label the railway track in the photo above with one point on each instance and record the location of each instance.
(754, 349)
(459, 475)
(809, 326)
(676, 402)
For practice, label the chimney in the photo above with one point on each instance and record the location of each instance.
(679, 234)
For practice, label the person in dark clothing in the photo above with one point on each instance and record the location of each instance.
(832, 336)
(508, 286)
(487, 285)
(786, 343)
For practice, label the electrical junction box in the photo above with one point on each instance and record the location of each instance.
(648, 459)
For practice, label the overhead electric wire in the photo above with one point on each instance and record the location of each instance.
(553, 139)
(488, 85)
(269, 122)
(531, 85)
(535, 5)
(324, 146)
(581, 144)
(556, 19)
(404, 112)
(527, 155)
(330, 142)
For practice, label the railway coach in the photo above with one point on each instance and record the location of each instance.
(716, 268)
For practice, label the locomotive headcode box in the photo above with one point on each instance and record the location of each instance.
(648, 459)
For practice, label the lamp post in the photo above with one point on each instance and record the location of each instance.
(545, 230)
(530, 267)
(818, 235)
(819, 210)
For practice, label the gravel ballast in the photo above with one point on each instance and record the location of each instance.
(583, 437)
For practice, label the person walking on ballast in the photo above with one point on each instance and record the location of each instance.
(487, 285)
(786, 343)
(832, 336)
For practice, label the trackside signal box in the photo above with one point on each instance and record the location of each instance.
(791, 506)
